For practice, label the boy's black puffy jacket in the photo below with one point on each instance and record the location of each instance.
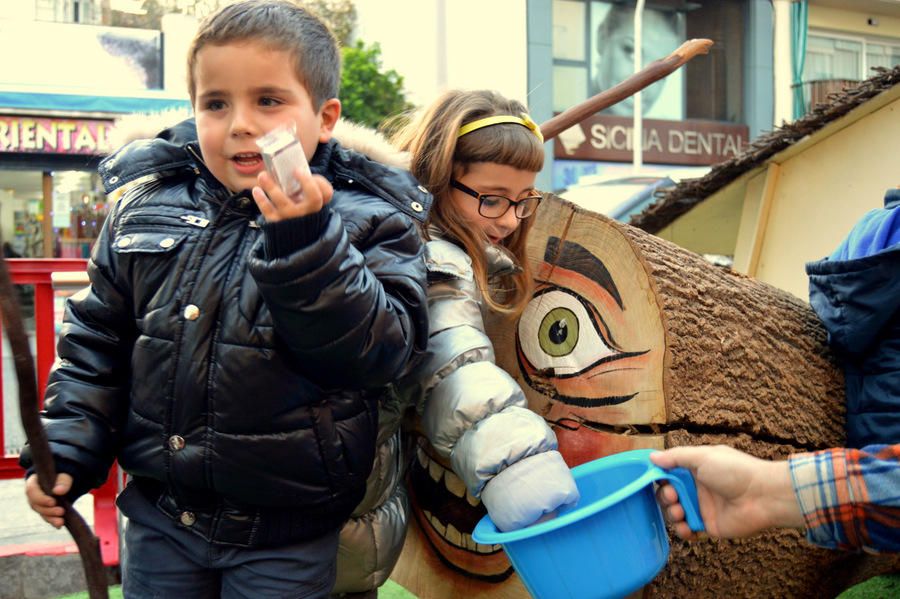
(226, 382)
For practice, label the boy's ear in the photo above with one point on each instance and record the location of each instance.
(328, 118)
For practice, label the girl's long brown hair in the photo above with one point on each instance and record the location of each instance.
(437, 155)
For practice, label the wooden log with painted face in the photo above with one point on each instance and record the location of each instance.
(635, 337)
(632, 342)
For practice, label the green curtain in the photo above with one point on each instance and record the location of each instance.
(799, 21)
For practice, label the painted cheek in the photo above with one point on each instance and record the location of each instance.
(579, 444)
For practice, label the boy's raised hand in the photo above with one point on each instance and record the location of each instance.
(275, 205)
(44, 504)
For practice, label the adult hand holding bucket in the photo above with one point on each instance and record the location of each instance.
(611, 543)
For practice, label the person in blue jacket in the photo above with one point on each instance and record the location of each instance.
(856, 293)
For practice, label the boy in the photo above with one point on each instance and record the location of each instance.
(233, 346)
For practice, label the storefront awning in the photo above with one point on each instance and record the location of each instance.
(19, 100)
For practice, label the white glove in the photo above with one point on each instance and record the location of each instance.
(524, 492)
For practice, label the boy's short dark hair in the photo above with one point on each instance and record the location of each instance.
(283, 25)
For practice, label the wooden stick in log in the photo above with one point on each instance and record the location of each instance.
(88, 544)
(653, 72)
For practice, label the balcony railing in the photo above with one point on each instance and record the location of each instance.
(817, 91)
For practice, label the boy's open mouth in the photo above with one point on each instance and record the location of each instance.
(247, 161)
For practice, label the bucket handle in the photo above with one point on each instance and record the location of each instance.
(683, 481)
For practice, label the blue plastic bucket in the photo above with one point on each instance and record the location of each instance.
(611, 543)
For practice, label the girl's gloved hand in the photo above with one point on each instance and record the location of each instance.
(525, 492)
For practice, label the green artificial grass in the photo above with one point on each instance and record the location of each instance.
(878, 587)
(114, 593)
(390, 590)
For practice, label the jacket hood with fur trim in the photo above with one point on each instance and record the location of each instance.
(350, 135)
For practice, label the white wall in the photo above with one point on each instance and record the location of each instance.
(443, 44)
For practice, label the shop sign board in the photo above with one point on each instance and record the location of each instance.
(611, 138)
(54, 135)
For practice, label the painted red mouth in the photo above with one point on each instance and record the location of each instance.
(447, 514)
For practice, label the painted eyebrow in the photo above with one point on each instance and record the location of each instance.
(576, 258)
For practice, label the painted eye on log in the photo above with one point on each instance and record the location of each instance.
(558, 332)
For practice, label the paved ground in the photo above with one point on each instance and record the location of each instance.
(24, 576)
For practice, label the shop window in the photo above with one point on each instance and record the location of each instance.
(21, 213)
(79, 209)
(714, 84)
(66, 228)
(593, 49)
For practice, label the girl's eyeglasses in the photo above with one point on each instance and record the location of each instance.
(494, 206)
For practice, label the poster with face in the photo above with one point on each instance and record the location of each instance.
(612, 46)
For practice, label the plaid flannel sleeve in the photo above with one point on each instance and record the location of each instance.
(850, 498)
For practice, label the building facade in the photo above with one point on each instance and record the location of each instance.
(772, 60)
(699, 115)
(66, 79)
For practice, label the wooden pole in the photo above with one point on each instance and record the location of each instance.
(653, 72)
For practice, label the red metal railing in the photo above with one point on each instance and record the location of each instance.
(38, 273)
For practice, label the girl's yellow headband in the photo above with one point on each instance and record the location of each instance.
(523, 120)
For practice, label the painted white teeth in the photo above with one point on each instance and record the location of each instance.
(454, 536)
(423, 459)
(471, 499)
(437, 525)
(483, 548)
(454, 483)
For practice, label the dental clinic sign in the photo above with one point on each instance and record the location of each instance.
(611, 138)
(54, 135)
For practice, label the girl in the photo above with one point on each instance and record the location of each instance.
(478, 154)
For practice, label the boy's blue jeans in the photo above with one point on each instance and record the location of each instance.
(163, 560)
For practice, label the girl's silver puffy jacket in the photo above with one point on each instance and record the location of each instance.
(472, 411)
